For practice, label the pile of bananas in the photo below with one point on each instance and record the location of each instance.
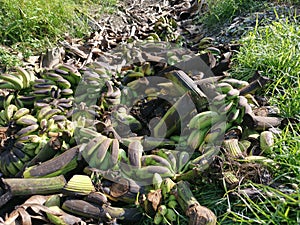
(64, 119)
(19, 139)
(164, 30)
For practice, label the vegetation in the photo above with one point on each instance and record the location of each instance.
(274, 51)
(222, 11)
(32, 26)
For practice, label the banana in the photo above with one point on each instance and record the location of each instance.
(3, 163)
(183, 160)
(135, 150)
(26, 130)
(44, 86)
(51, 113)
(67, 92)
(149, 171)
(115, 152)
(52, 76)
(204, 119)
(6, 85)
(235, 83)
(10, 166)
(18, 163)
(43, 111)
(226, 107)
(21, 112)
(16, 81)
(87, 133)
(9, 111)
(232, 94)
(196, 138)
(27, 100)
(219, 100)
(26, 120)
(102, 149)
(155, 160)
(233, 115)
(20, 154)
(26, 77)
(3, 119)
(204, 160)
(223, 87)
(156, 181)
(8, 100)
(29, 138)
(170, 156)
(91, 147)
(60, 164)
(215, 132)
(63, 83)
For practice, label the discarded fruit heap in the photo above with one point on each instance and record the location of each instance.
(118, 138)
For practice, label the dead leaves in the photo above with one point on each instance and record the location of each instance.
(34, 209)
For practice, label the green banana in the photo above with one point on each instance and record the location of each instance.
(60, 164)
(26, 120)
(115, 152)
(204, 119)
(223, 87)
(25, 76)
(182, 160)
(232, 94)
(235, 83)
(26, 130)
(16, 81)
(21, 112)
(101, 150)
(9, 111)
(155, 160)
(196, 138)
(216, 131)
(6, 85)
(149, 171)
(156, 181)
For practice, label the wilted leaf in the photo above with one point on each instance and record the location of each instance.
(155, 198)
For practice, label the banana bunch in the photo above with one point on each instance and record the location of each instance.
(101, 152)
(65, 105)
(54, 122)
(17, 81)
(124, 123)
(165, 29)
(165, 212)
(20, 139)
(92, 85)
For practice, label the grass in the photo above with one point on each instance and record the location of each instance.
(275, 51)
(31, 26)
(222, 11)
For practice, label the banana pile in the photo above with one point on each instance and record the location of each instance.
(164, 30)
(126, 133)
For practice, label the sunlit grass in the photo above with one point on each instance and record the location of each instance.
(33, 25)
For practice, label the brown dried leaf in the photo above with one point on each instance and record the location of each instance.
(26, 218)
(155, 197)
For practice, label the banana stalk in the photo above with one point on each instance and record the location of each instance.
(170, 121)
(34, 186)
(199, 215)
(232, 147)
(104, 213)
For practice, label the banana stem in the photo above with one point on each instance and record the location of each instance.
(199, 215)
(171, 121)
(34, 186)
